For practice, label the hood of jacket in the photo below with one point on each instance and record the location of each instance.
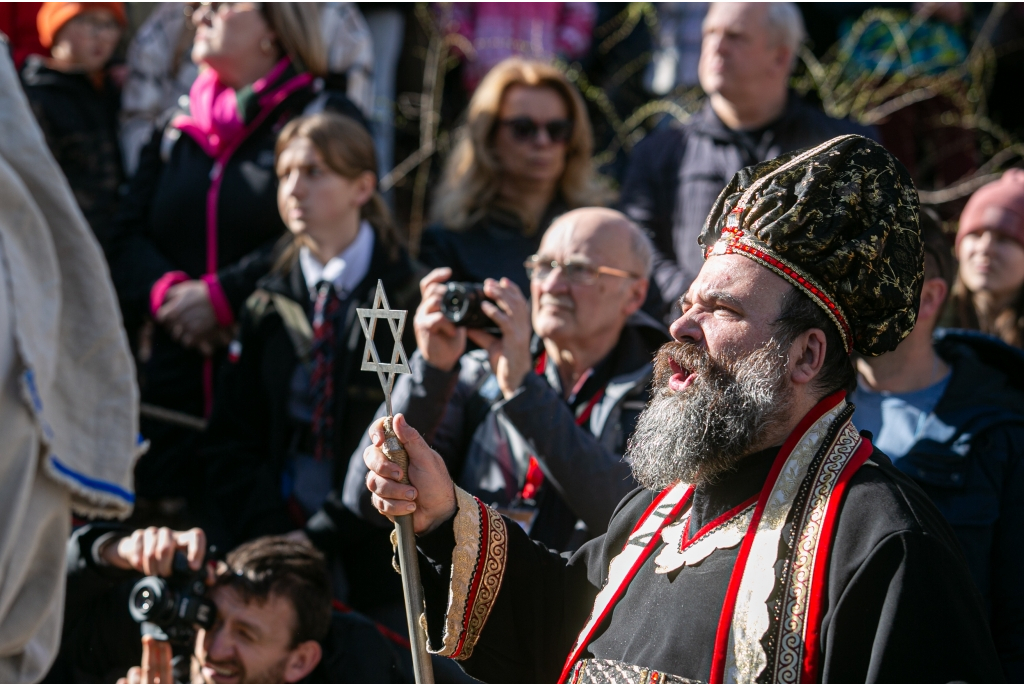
(986, 372)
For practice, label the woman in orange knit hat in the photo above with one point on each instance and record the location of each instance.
(53, 16)
(77, 104)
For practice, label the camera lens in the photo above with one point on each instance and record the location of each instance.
(144, 601)
(455, 302)
(151, 600)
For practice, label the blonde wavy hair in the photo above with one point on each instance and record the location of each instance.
(297, 26)
(469, 184)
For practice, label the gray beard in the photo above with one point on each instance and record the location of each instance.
(699, 434)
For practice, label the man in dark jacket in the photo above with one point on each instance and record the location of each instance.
(750, 116)
(539, 430)
(949, 410)
(76, 103)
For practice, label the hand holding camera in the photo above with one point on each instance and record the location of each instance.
(494, 314)
(509, 352)
(156, 664)
(439, 340)
(171, 600)
(151, 550)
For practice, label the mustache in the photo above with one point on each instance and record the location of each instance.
(698, 434)
(696, 360)
(555, 301)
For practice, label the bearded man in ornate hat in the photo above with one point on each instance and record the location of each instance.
(770, 541)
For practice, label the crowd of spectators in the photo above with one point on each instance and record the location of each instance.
(227, 158)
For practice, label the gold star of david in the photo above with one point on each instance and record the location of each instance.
(371, 361)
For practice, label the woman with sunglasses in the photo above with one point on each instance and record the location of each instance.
(523, 158)
(195, 230)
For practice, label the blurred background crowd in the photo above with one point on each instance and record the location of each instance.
(250, 171)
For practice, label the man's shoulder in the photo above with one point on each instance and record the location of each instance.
(810, 124)
(881, 502)
(986, 372)
(356, 651)
(660, 146)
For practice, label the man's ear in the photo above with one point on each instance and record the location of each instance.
(784, 57)
(302, 660)
(933, 295)
(637, 296)
(807, 356)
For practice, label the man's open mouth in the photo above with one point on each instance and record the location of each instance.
(681, 378)
(220, 674)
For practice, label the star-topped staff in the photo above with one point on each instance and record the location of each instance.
(406, 539)
(371, 360)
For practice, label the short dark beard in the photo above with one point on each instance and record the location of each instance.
(698, 434)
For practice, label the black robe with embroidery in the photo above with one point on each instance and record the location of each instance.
(900, 605)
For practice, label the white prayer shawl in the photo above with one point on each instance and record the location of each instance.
(68, 396)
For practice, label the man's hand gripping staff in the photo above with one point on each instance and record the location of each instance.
(427, 494)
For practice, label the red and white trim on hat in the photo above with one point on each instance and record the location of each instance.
(735, 241)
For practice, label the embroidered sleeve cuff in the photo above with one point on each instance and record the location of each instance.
(219, 301)
(159, 290)
(478, 566)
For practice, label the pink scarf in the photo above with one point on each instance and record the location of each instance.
(214, 122)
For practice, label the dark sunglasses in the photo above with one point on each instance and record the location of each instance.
(525, 129)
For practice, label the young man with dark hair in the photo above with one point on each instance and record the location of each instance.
(948, 408)
(273, 623)
(273, 598)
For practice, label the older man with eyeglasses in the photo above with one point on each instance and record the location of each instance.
(536, 421)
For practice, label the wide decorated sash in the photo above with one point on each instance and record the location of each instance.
(761, 635)
(640, 544)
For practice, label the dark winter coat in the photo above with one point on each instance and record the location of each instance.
(976, 476)
(676, 174)
(79, 121)
(162, 227)
(493, 247)
(253, 433)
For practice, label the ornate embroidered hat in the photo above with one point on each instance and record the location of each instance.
(839, 221)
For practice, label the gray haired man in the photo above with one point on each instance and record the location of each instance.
(536, 421)
(747, 54)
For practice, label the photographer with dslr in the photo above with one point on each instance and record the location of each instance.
(537, 424)
(262, 615)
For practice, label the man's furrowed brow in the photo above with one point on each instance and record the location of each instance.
(722, 297)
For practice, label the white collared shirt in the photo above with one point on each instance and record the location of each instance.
(345, 270)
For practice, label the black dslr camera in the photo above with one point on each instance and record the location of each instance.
(171, 608)
(461, 306)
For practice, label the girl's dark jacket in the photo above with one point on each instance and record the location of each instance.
(251, 431)
(79, 121)
(161, 227)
